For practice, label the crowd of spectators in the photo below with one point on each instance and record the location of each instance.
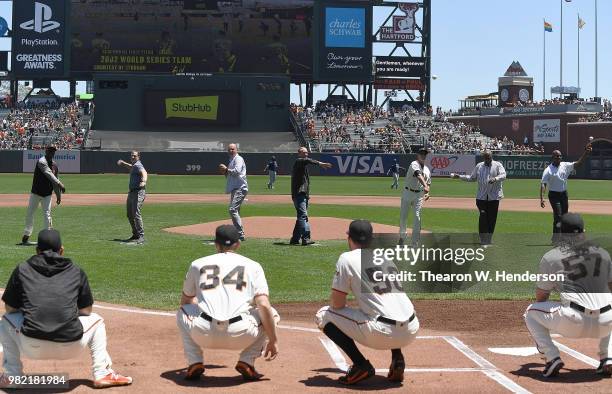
(30, 126)
(350, 129)
(604, 116)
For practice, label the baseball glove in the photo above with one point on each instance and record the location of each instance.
(222, 169)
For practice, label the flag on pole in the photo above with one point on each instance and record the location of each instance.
(548, 27)
(581, 23)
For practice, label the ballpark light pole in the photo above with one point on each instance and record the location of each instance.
(596, 70)
(561, 53)
(544, 67)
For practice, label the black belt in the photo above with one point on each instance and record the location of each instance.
(580, 308)
(230, 321)
(138, 189)
(383, 319)
(412, 190)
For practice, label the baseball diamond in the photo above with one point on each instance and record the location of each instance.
(303, 237)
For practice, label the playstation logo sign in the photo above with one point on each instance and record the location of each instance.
(42, 19)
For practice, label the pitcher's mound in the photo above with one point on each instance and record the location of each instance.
(274, 227)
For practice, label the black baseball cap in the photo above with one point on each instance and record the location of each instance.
(423, 151)
(572, 223)
(226, 235)
(360, 231)
(49, 240)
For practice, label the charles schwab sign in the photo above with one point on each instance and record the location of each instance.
(39, 37)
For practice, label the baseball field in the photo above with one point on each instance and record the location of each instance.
(139, 287)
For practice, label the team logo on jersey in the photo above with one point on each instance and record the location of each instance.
(42, 22)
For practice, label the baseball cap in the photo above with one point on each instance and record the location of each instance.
(226, 235)
(360, 231)
(423, 151)
(572, 223)
(49, 240)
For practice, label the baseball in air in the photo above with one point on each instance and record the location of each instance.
(591, 139)
(434, 77)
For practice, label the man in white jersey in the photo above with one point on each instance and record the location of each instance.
(384, 320)
(224, 303)
(555, 177)
(416, 190)
(585, 310)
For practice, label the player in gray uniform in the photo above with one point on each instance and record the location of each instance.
(272, 168)
(585, 310)
(136, 196)
(394, 171)
(237, 186)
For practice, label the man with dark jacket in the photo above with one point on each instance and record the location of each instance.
(44, 183)
(49, 316)
(300, 190)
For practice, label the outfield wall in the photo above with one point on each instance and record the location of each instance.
(205, 163)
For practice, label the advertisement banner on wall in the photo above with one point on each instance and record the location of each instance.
(400, 66)
(400, 84)
(358, 164)
(547, 130)
(444, 165)
(403, 26)
(68, 161)
(524, 166)
(344, 42)
(39, 38)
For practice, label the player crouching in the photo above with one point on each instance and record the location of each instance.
(585, 310)
(384, 320)
(224, 303)
(48, 303)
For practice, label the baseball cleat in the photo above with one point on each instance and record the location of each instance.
(552, 368)
(307, 241)
(396, 370)
(248, 372)
(605, 367)
(24, 239)
(292, 242)
(111, 380)
(357, 373)
(194, 371)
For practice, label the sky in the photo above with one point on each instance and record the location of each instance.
(474, 42)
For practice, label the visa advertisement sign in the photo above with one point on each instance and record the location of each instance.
(345, 27)
(358, 164)
(202, 107)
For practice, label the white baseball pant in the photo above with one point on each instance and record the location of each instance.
(35, 200)
(367, 330)
(411, 201)
(15, 344)
(395, 180)
(197, 333)
(542, 318)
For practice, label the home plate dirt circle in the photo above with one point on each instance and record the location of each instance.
(275, 227)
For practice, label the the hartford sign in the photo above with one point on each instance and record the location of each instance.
(39, 37)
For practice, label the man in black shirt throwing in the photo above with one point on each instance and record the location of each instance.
(48, 316)
(300, 185)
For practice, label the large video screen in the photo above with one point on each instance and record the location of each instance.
(164, 108)
(192, 36)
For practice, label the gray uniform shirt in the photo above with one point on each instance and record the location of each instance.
(482, 173)
(236, 175)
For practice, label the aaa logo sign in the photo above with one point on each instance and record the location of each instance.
(444, 165)
(201, 107)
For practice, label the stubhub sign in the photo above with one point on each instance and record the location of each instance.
(358, 164)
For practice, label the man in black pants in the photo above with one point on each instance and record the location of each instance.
(300, 189)
(555, 177)
(490, 174)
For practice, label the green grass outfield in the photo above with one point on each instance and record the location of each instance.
(151, 275)
(366, 186)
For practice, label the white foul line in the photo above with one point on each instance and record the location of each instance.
(334, 353)
(490, 370)
(577, 355)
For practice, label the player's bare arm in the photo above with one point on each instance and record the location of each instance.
(186, 300)
(542, 190)
(267, 320)
(144, 175)
(124, 164)
(587, 151)
(86, 311)
(325, 165)
(337, 299)
(9, 309)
